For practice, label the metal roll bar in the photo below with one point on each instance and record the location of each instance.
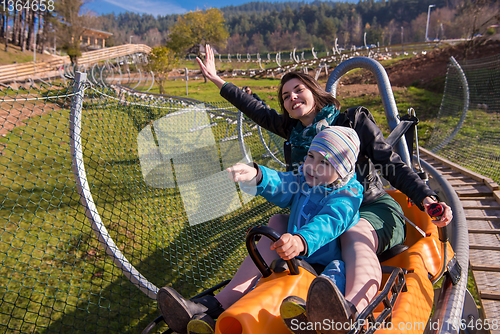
(449, 305)
(384, 87)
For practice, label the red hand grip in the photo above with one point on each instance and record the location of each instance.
(435, 210)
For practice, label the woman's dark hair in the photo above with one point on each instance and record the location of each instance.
(321, 97)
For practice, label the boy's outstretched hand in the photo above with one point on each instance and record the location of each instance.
(242, 173)
(288, 246)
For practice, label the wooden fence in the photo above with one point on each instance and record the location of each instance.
(24, 71)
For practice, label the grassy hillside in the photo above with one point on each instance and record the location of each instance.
(15, 55)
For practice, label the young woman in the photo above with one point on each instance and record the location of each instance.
(306, 109)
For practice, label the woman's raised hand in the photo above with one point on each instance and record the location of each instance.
(208, 68)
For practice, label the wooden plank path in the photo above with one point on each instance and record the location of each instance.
(480, 197)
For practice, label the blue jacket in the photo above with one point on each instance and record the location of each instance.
(375, 155)
(319, 214)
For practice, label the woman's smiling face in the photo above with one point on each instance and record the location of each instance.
(298, 100)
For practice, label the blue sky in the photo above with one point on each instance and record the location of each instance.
(165, 7)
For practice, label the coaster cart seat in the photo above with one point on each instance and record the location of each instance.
(402, 306)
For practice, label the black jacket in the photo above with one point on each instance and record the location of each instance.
(375, 156)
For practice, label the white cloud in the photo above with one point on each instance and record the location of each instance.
(149, 7)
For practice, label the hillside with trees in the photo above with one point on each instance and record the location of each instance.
(261, 26)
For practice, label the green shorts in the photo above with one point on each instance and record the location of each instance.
(385, 215)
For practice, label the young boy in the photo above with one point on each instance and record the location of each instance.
(324, 198)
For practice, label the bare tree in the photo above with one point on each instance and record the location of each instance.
(6, 31)
(69, 26)
(389, 31)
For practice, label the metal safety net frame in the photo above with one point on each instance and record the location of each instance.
(470, 98)
(46, 265)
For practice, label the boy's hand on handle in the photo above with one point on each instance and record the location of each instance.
(447, 215)
(288, 246)
(208, 68)
(242, 172)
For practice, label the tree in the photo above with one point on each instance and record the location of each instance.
(70, 26)
(328, 30)
(257, 43)
(390, 31)
(6, 29)
(195, 29)
(161, 61)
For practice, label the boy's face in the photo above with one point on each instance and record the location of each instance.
(318, 171)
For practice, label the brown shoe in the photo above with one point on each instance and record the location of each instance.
(327, 305)
(177, 311)
(293, 314)
(201, 323)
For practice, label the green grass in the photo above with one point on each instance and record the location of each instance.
(15, 55)
(55, 274)
(199, 90)
(229, 66)
(476, 145)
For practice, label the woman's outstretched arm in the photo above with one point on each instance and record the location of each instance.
(267, 118)
(208, 68)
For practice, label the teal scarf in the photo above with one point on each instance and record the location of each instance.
(301, 136)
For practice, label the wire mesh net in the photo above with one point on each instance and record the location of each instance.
(155, 168)
(468, 129)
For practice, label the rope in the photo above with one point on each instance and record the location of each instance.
(40, 98)
(149, 105)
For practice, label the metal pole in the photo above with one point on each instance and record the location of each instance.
(465, 87)
(449, 304)
(402, 47)
(384, 87)
(187, 77)
(428, 17)
(86, 198)
(241, 138)
(34, 46)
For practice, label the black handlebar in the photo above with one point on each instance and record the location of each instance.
(255, 255)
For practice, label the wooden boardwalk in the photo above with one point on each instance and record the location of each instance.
(480, 197)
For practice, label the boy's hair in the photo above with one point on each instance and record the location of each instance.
(340, 146)
(321, 97)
